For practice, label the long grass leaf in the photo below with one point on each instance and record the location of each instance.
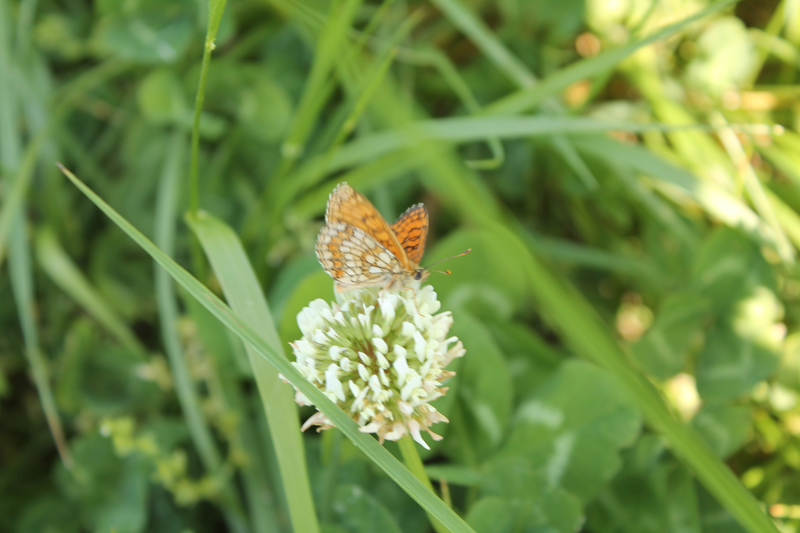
(243, 292)
(22, 287)
(484, 39)
(15, 199)
(316, 90)
(419, 135)
(377, 453)
(215, 10)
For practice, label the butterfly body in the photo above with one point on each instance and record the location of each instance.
(358, 248)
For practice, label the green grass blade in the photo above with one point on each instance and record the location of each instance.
(15, 199)
(787, 216)
(364, 93)
(484, 39)
(379, 455)
(454, 130)
(316, 90)
(451, 76)
(756, 191)
(22, 287)
(494, 49)
(242, 290)
(408, 449)
(215, 10)
(64, 273)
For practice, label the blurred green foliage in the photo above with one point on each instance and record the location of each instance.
(679, 224)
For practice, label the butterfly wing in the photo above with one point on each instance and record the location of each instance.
(412, 231)
(353, 258)
(347, 205)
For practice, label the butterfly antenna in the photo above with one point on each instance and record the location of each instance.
(446, 272)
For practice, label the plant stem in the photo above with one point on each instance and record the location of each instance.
(414, 464)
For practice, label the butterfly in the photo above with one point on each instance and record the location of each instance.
(358, 248)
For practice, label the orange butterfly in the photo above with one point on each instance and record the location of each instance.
(358, 248)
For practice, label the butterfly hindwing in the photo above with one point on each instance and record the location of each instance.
(412, 231)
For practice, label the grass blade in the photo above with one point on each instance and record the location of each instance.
(215, 10)
(418, 135)
(22, 287)
(242, 290)
(12, 205)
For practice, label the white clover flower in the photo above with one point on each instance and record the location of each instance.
(380, 356)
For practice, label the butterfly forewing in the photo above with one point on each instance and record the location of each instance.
(353, 258)
(411, 230)
(351, 207)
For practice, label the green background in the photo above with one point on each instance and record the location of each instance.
(627, 175)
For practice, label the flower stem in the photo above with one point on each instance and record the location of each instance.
(413, 462)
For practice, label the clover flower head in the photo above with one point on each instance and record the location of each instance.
(381, 356)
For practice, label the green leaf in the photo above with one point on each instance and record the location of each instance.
(731, 363)
(716, 68)
(653, 493)
(50, 514)
(728, 267)
(156, 32)
(531, 360)
(492, 514)
(744, 345)
(125, 511)
(572, 436)
(113, 490)
(664, 348)
(265, 109)
(358, 512)
(484, 384)
(725, 427)
(469, 286)
(533, 501)
(160, 97)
